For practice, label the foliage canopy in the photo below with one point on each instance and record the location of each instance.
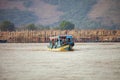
(66, 25)
(7, 26)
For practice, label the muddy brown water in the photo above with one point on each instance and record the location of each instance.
(32, 61)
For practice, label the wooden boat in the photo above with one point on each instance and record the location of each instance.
(61, 43)
(3, 41)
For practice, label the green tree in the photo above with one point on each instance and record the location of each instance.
(31, 27)
(7, 26)
(66, 25)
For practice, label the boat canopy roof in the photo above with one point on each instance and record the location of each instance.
(61, 36)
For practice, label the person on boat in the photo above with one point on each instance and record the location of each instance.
(68, 41)
(53, 43)
(56, 43)
(64, 41)
(61, 42)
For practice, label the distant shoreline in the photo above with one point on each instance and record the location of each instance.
(42, 36)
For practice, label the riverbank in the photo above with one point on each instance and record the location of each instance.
(42, 36)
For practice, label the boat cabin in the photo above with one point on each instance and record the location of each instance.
(61, 40)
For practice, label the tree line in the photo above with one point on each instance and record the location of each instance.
(9, 26)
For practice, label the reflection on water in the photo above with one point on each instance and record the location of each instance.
(32, 61)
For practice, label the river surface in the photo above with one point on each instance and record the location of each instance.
(32, 61)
